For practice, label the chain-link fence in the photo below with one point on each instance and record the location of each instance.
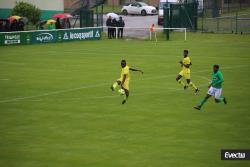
(224, 6)
(225, 16)
(238, 23)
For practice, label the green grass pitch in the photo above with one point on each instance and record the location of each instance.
(57, 109)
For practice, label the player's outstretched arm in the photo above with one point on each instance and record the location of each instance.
(133, 69)
(181, 63)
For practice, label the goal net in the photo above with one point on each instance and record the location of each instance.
(144, 33)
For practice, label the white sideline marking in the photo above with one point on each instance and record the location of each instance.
(52, 93)
(73, 89)
(89, 52)
(205, 78)
(148, 93)
(104, 84)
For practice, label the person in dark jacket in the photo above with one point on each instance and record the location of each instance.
(58, 24)
(20, 25)
(1, 26)
(13, 26)
(120, 24)
(7, 26)
(114, 25)
(109, 24)
(68, 23)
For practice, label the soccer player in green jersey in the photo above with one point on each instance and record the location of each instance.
(215, 88)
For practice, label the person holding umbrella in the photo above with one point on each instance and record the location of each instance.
(40, 24)
(21, 22)
(58, 24)
(20, 25)
(120, 24)
(67, 23)
(50, 24)
(65, 17)
(14, 22)
(14, 25)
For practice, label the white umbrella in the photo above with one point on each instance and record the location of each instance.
(113, 15)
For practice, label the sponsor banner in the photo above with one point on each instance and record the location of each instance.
(15, 38)
(235, 154)
(79, 34)
(10, 39)
(35, 37)
(43, 37)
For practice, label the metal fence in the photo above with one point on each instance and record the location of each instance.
(224, 16)
(238, 23)
(217, 7)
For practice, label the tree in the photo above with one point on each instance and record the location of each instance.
(28, 10)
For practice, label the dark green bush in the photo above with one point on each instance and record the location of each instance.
(28, 10)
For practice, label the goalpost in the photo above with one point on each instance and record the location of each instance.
(145, 33)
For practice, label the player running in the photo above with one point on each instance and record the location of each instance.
(215, 88)
(123, 82)
(185, 72)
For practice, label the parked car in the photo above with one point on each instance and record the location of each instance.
(139, 8)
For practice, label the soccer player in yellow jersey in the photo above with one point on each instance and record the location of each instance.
(185, 72)
(123, 81)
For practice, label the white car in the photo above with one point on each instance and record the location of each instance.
(138, 8)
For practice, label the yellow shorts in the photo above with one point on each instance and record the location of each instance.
(126, 83)
(185, 74)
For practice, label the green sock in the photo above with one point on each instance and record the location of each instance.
(203, 101)
(222, 98)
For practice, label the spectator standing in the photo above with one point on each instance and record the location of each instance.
(20, 25)
(120, 24)
(51, 26)
(58, 24)
(65, 23)
(41, 25)
(114, 25)
(1, 26)
(68, 23)
(13, 26)
(7, 26)
(109, 24)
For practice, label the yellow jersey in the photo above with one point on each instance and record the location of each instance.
(125, 71)
(186, 61)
